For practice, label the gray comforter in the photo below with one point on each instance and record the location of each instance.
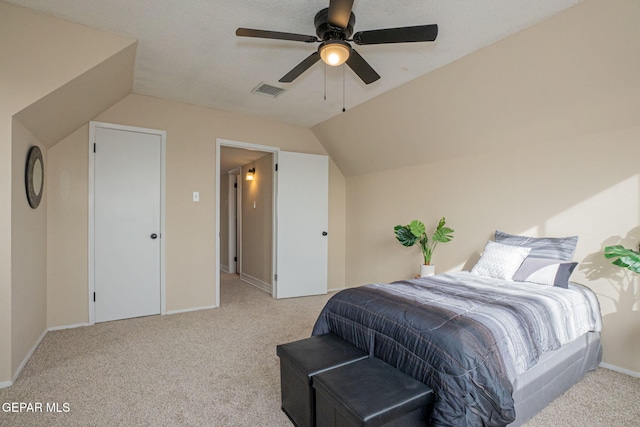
(466, 336)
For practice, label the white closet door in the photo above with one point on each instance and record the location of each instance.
(302, 224)
(127, 206)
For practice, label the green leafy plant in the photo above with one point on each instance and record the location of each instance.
(626, 258)
(415, 233)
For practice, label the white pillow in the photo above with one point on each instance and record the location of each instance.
(500, 261)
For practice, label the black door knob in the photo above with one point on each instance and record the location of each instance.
(324, 233)
(154, 236)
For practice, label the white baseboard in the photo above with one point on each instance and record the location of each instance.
(186, 310)
(224, 268)
(75, 325)
(621, 370)
(28, 356)
(335, 290)
(263, 286)
(33, 349)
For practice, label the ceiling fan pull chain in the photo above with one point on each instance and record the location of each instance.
(325, 82)
(343, 90)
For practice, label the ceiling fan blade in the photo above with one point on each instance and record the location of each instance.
(300, 68)
(362, 68)
(264, 34)
(420, 33)
(340, 12)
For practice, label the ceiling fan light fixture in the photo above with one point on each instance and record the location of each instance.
(335, 52)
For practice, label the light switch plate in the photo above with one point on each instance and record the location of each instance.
(196, 196)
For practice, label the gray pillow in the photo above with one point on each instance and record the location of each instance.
(545, 271)
(561, 248)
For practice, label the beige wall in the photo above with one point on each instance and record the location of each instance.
(337, 228)
(63, 111)
(46, 53)
(537, 134)
(190, 227)
(38, 63)
(6, 372)
(29, 253)
(257, 222)
(578, 186)
(67, 228)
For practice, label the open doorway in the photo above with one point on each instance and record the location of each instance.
(299, 196)
(246, 213)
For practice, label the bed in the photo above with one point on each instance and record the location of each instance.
(494, 349)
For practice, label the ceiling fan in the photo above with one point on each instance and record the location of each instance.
(334, 26)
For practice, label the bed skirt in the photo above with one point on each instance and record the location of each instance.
(555, 373)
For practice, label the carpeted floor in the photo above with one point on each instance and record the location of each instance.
(219, 367)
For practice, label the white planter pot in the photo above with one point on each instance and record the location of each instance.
(427, 270)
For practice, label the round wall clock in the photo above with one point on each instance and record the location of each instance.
(34, 176)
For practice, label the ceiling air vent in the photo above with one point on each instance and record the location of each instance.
(268, 90)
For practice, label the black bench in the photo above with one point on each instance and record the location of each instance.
(300, 361)
(370, 393)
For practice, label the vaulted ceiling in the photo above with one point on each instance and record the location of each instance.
(188, 51)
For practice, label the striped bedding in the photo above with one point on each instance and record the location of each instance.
(466, 336)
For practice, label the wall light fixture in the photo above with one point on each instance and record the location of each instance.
(250, 174)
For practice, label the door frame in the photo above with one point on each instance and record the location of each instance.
(256, 147)
(91, 188)
(235, 218)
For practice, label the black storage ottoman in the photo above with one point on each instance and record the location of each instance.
(302, 360)
(370, 393)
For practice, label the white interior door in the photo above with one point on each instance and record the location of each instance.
(302, 224)
(127, 224)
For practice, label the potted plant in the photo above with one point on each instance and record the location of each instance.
(415, 233)
(626, 258)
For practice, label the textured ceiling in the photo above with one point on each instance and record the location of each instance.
(188, 51)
